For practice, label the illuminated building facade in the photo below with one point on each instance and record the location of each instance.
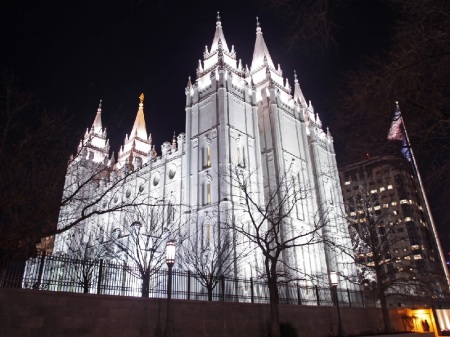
(245, 117)
(383, 192)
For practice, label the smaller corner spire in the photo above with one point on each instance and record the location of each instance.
(174, 141)
(97, 125)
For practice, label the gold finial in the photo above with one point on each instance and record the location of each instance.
(142, 98)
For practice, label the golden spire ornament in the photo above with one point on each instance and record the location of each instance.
(141, 97)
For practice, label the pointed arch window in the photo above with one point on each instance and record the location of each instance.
(207, 156)
(240, 157)
(171, 210)
(207, 192)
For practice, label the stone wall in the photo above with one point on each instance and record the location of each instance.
(44, 313)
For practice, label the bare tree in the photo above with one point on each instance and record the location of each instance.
(33, 147)
(382, 252)
(209, 253)
(309, 24)
(266, 228)
(415, 70)
(84, 252)
(43, 176)
(143, 241)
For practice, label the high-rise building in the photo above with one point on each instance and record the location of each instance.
(388, 219)
(238, 119)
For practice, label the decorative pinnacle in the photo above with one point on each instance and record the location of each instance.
(218, 23)
(141, 97)
(100, 105)
(295, 76)
(258, 26)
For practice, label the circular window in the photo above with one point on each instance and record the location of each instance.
(172, 171)
(156, 179)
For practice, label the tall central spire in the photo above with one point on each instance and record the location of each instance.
(261, 53)
(218, 35)
(139, 130)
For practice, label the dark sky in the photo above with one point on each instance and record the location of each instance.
(72, 55)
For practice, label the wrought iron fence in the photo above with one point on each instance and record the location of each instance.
(57, 273)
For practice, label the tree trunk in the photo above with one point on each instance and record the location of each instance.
(385, 311)
(145, 291)
(274, 314)
(86, 285)
(210, 291)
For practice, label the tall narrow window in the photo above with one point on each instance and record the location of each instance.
(207, 192)
(206, 156)
(171, 210)
(207, 234)
(240, 159)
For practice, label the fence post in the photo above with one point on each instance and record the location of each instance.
(317, 296)
(349, 299)
(189, 285)
(299, 298)
(100, 274)
(41, 270)
(251, 290)
(222, 279)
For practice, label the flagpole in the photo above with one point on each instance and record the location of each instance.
(427, 206)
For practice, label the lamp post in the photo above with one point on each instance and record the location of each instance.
(334, 283)
(170, 260)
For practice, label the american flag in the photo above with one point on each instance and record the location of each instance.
(395, 132)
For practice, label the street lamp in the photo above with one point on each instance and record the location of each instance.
(170, 260)
(334, 280)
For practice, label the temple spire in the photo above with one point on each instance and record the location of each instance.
(139, 130)
(218, 35)
(298, 94)
(97, 125)
(260, 53)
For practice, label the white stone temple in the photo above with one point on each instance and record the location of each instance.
(245, 118)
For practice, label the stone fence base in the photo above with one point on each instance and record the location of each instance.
(43, 313)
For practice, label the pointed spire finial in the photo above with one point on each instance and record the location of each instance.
(258, 26)
(100, 105)
(218, 23)
(295, 76)
(141, 97)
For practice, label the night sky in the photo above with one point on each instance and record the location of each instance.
(70, 55)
